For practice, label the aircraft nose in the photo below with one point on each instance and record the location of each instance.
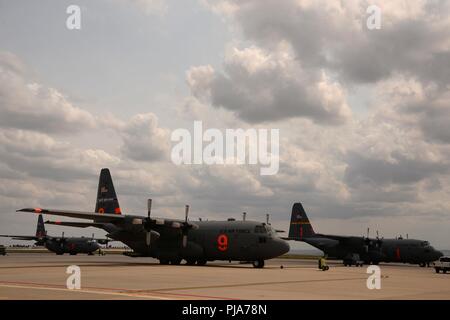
(438, 254)
(283, 246)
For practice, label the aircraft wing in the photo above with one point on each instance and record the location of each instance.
(103, 241)
(14, 237)
(346, 240)
(98, 217)
(75, 224)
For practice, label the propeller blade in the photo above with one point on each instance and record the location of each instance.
(184, 240)
(148, 238)
(149, 207)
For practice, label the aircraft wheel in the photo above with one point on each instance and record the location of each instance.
(444, 271)
(437, 270)
(175, 262)
(190, 262)
(258, 264)
(163, 261)
(201, 262)
(73, 253)
(59, 253)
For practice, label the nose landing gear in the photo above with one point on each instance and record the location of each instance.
(258, 264)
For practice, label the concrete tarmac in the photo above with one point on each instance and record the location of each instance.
(43, 276)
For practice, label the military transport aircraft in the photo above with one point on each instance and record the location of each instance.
(61, 245)
(171, 240)
(352, 249)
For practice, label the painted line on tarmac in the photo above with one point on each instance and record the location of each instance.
(41, 287)
(162, 290)
(112, 291)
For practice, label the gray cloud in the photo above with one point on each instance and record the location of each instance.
(412, 40)
(28, 105)
(365, 169)
(258, 86)
(143, 140)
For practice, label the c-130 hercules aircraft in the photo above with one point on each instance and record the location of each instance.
(352, 249)
(171, 240)
(61, 245)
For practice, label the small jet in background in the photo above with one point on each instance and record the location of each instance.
(61, 245)
(358, 250)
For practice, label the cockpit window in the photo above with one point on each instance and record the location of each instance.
(260, 229)
(270, 230)
(425, 244)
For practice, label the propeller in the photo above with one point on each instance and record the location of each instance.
(148, 235)
(61, 241)
(148, 223)
(185, 227)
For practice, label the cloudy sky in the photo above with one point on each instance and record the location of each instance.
(364, 115)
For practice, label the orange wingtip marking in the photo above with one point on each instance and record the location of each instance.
(117, 211)
(37, 210)
(58, 222)
(101, 210)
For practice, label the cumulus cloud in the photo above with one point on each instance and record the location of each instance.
(413, 38)
(298, 63)
(143, 139)
(39, 155)
(28, 105)
(259, 86)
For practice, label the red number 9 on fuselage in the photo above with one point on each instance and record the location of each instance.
(222, 242)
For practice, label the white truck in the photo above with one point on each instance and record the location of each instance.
(442, 264)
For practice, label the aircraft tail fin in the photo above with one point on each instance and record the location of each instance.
(40, 229)
(107, 201)
(300, 226)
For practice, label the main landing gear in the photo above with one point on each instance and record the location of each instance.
(258, 264)
(172, 262)
(191, 262)
(176, 262)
